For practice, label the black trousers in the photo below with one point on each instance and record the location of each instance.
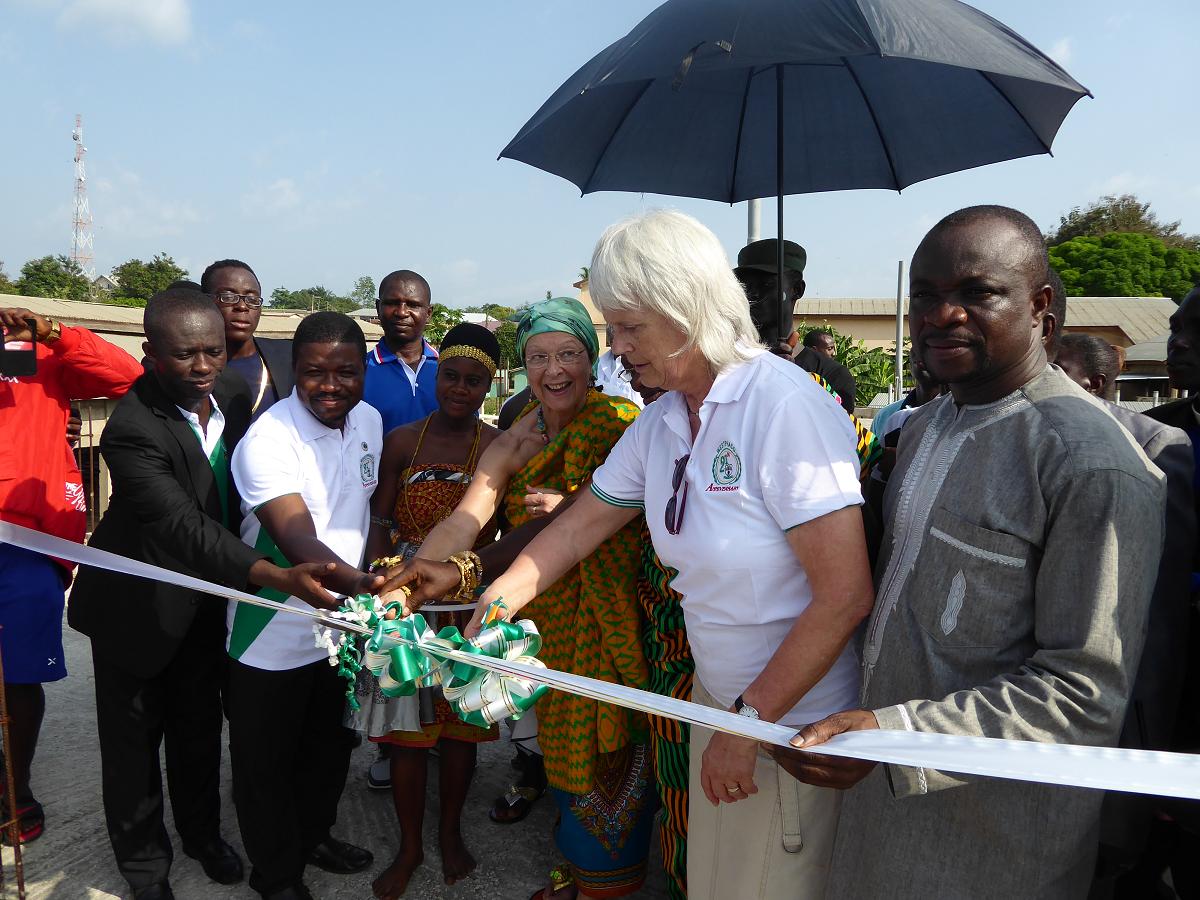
(134, 715)
(290, 757)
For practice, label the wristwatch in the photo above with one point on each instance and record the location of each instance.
(55, 331)
(742, 708)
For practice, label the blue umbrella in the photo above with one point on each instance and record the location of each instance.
(736, 99)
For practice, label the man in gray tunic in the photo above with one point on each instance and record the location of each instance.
(1018, 514)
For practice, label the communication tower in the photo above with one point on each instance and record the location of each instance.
(83, 248)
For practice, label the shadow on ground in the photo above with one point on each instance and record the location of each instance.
(73, 859)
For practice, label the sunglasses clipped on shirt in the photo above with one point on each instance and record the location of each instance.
(678, 503)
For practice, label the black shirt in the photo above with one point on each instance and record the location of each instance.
(837, 375)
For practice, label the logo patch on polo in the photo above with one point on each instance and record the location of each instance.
(726, 468)
(366, 468)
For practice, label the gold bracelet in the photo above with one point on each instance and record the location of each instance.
(476, 565)
(469, 568)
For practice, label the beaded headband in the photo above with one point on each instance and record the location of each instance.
(470, 353)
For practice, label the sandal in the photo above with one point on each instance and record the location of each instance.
(560, 877)
(515, 805)
(31, 822)
(518, 801)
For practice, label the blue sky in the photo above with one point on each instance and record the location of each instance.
(320, 142)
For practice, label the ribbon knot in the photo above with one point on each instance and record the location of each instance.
(405, 654)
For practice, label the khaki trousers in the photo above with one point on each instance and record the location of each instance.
(774, 844)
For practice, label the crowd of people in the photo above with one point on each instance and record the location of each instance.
(697, 512)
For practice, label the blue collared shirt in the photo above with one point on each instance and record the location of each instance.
(392, 388)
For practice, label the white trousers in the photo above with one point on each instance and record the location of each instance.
(774, 844)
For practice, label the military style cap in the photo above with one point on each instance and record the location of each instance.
(762, 256)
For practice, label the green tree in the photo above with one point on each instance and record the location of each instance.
(1125, 265)
(53, 276)
(6, 285)
(441, 319)
(313, 299)
(1125, 213)
(494, 311)
(506, 335)
(138, 281)
(873, 368)
(363, 293)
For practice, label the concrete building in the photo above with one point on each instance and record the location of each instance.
(1122, 321)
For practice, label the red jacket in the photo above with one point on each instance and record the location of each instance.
(40, 484)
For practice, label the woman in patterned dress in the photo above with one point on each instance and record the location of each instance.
(424, 473)
(596, 755)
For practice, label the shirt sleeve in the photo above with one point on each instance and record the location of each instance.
(265, 466)
(807, 459)
(93, 367)
(621, 478)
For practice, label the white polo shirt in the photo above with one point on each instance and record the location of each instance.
(289, 451)
(774, 451)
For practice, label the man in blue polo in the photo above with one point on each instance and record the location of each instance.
(402, 368)
(401, 372)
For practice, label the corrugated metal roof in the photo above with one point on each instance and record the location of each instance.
(1148, 351)
(105, 319)
(1141, 318)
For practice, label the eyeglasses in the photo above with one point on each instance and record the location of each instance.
(677, 502)
(625, 375)
(564, 358)
(229, 298)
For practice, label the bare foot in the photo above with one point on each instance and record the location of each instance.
(393, 880)
(457, 861)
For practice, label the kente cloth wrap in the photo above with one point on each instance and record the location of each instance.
(868, 446)
(669, 655)
(563, 314)
(588, 618)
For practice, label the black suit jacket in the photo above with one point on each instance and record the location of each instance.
(165, 510)
(277, 354)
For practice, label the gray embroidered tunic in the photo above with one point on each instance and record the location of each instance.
(1022, 545)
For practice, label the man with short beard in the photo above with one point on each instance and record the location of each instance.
(1024, 529)
(402, 367)
(305, 472)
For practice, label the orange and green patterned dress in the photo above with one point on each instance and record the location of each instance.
(595, 753)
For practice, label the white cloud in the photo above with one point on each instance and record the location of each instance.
(1060, 52)
(276, 198)
(131, 21)
(464, 270)
(128, 211)
(1123, 183)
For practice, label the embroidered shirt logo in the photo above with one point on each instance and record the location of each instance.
(366, 468)
(726, 468)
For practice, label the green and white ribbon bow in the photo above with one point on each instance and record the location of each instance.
(405, 654)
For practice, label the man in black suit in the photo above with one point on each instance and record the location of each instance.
(159, 651)
(265, 363)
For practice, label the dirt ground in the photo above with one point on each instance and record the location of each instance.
(73, 859)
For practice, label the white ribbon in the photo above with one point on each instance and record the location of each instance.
(1106, 768)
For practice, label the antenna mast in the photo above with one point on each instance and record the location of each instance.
(82, 240)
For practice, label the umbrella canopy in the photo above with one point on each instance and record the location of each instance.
(870, 94)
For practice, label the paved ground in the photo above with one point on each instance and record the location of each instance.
(73, 859)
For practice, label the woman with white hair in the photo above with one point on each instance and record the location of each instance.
(747, 474)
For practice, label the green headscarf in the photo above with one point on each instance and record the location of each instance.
(563, 314)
